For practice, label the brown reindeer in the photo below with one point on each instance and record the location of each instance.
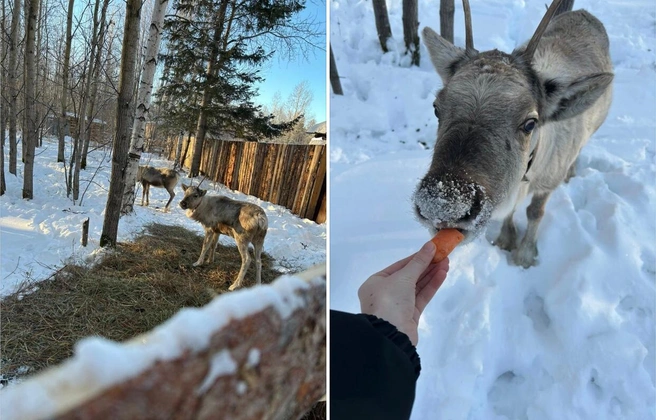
(157, 177)
(247, 223)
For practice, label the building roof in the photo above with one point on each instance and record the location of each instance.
(319, 128)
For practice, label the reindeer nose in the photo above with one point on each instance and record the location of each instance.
(441, 202)
(474, 209)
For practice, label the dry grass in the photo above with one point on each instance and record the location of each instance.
(133, 289)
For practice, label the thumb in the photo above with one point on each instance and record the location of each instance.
(419, 262)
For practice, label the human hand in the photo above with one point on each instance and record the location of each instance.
(399, 293)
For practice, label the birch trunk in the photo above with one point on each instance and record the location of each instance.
(4, 104)
(143, 104)
(122, 136)
(30, 134)
(15, 83)
(63, 121)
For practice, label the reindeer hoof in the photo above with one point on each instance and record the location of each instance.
(525, 256)
(506, 241)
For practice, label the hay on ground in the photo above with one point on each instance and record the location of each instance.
(132, 290)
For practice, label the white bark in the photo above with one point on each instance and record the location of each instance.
(30, 134)
(143, 104)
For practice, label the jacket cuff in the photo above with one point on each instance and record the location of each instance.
(401, 340)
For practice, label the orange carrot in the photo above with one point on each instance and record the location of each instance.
(445, 241)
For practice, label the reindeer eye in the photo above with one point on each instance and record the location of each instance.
(529, 125)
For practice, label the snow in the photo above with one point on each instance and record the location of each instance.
(40, 235)
(571, 338)
(220, 365)
(99, 363)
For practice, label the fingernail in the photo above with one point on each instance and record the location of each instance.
(428, 248)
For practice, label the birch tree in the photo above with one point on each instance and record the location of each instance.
(122, 136)
(14, 84)
(143, 104)
(4, 103)
(63, 120)
(30, 134)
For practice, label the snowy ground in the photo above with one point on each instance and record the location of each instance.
(40, 235)
(572, 338)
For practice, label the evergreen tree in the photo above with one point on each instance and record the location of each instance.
(214, 51)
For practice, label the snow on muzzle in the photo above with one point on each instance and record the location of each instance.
(452, 203)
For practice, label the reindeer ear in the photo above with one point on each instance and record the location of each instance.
(567, 99)
(444, 55)
(184, 187)
(202, 192)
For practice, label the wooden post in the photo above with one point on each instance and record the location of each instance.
(85, 232)
(334, 76)
(410, 29)
(382, 23)
(447, 10)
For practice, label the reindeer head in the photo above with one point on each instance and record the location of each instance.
(192, 197)
(490, 110)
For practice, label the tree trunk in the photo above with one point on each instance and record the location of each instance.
(382, 23)
(15, 84)
(201, 127)
(411, 29)
(30, 134)
(63, 121)
(447, 11)
(186, 150)
(178, 151)
(122, 136)
(334, 76)
(4, 104)
(94, 75)
(143, 104)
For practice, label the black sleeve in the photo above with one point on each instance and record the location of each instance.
(373, 369)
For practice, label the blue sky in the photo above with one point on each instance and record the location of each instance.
(282, 75)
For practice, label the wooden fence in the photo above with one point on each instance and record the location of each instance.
(291, 175)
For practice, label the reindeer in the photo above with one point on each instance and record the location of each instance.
(157, 177)
(247, 223)
(512, 124)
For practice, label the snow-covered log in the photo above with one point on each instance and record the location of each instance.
(256, 353)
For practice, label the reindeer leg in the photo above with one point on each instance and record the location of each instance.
(527, 252)
(242, 245)
(172, 194)
(571, 172)
(143, 193)
(206, 246)
(214, 244)
(507, 238)
(147, 195)
(258, 262)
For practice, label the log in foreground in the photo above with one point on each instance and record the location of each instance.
(257, 353)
